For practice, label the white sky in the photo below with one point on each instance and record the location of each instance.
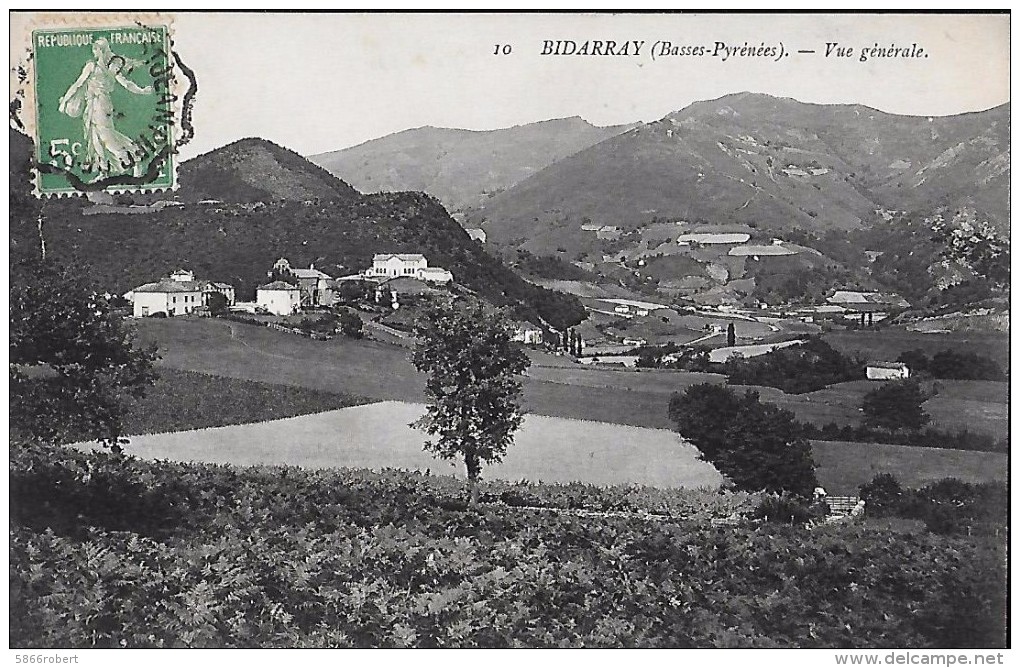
(320, 82)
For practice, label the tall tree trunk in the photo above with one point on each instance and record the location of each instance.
(474, 470)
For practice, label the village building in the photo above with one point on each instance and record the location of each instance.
(476, 233)
(279, 298)
(758, 250)
(434, 275)
(527, 334)
(888, 371)
(211, 287)
(316, 286)
(407, 265)
(179, 294)
(393, 265)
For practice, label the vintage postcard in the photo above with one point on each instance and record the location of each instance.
(510, 330)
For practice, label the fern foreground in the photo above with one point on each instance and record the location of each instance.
(115, 552)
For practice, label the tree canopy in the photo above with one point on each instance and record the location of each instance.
(473, 386)
(895, 405)
(758, 446)
(73, 363)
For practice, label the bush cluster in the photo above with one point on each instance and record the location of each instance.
(110, 552)
(947, 506)
(953, 365)
(811, 366)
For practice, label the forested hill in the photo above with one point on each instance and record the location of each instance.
(303, 214)
(256, 170)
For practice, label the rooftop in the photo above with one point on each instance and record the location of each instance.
(168, 285)
(309, 273)
(405, 257)
(887, 365)
(277, 285)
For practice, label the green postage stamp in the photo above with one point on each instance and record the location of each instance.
(106, 109)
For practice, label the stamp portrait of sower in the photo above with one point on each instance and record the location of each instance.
(108, 108)
(106, 150)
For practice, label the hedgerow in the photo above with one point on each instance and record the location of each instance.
(108, 551)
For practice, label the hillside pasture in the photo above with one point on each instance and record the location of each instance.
(888, 343)
(554, 386)
(842, 467)
(378, 436)
(980, 406)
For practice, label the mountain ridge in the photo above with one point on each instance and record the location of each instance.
(460, 167)
(750, 158)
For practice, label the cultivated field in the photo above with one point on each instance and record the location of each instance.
(554, 385)
(377, 436)
(558, 388)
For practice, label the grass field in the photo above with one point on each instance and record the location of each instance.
(842, 467)
(888, 344)
(377, 436)
(554, 386)
(558, 388)
(188, 400)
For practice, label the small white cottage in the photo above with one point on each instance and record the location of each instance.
(888, 371)
(279, 298)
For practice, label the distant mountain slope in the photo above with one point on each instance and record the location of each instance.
(461, 167)
(256, 170)
(306, 215)
(771, 162)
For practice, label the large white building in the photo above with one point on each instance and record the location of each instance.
(395, 265)
(407, 265)
(279, 298)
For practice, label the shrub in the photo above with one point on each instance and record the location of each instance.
(757, 445)
(785, 509)
(884, 495)
(953, 365)
(350, 324)
(929, 437)
(952, 506)
(895, 405)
